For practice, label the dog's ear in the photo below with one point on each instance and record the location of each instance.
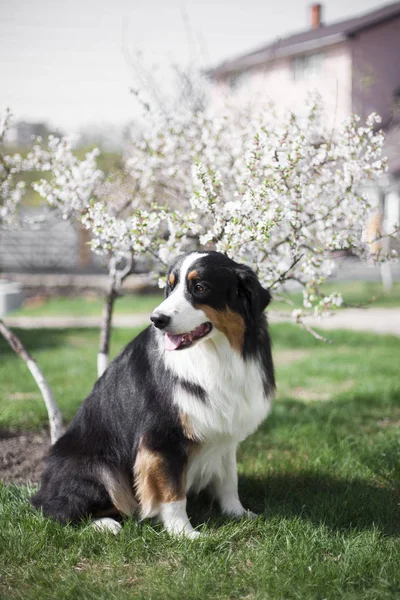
(250, 291)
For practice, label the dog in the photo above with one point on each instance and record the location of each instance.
(166, 417)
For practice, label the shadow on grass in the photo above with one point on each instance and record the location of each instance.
(325, 500)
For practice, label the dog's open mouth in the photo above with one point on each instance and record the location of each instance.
(184, 340)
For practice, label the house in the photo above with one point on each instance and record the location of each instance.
(355, 67)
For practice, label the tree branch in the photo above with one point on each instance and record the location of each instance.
(283, 275)
(53, 411)
(313, 332)
(117, 277)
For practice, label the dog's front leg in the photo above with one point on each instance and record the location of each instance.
(174, 517)
(225, 487)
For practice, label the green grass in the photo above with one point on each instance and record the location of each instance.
(84, 306)
(354, 293)
(359, 292)
(323, 471)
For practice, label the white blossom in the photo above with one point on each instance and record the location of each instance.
(267, 188)
(72, 183)
(11, 188)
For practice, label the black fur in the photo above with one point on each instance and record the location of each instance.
(132, 400)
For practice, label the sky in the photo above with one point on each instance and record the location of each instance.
(66, 61)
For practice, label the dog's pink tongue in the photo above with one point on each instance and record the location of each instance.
(172, 342)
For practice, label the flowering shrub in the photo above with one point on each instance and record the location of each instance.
(73, 182)
(273, 190)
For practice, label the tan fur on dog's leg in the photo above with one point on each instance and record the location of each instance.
(159, 494)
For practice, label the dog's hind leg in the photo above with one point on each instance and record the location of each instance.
(160, 479)
(120, 490)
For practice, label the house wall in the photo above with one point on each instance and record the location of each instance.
(376, 69)
(275, 82)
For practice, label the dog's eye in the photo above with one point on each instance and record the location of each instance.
(199, 288)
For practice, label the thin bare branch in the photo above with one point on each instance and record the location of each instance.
(53, 411)
(282, 277)
(309, 329)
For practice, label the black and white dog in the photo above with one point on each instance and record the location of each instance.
(167, 416)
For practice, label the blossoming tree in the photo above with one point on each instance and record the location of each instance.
(271, 189)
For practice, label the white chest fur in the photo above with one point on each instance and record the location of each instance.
(235, 405)
(236, 402)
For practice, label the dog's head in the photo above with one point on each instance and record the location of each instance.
(207, 293)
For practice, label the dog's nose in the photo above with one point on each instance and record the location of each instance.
(160, 320)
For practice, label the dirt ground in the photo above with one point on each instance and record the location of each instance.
(21, 456)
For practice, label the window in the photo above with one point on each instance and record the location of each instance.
(308, 67)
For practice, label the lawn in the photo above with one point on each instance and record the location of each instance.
(90, 305)
(323, 472)
(354, 293)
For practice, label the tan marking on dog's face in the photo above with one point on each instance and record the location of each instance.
(193, 275)
(120, 491)
(153, 485)
(229, 322)
(171, 280)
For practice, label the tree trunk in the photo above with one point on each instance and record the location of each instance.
(105, 331)
(84, 251)
(54, 413)
(117, 277)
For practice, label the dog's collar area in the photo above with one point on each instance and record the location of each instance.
(185, 340)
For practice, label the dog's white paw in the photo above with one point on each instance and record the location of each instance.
(107, 524)
(193, 535)
(240, 513)
(186, 531)
(248, 514)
